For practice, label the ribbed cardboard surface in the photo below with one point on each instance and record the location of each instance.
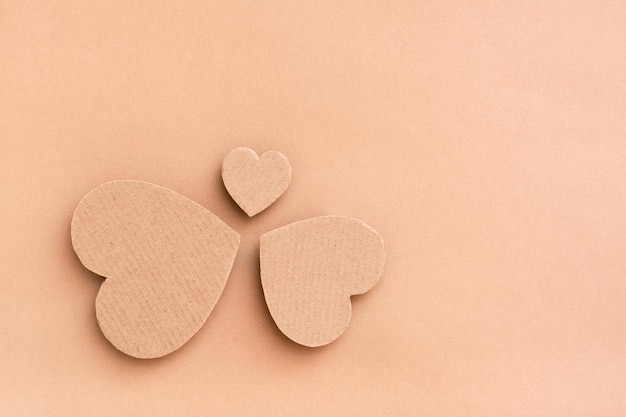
(255, 182)
(166, 260)
(309, 270)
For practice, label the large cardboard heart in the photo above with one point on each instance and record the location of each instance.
(166, 260)
(309, 270)
(255, 182)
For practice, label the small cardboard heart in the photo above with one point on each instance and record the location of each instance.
(166, 260)
(309, 270)
(255, 182)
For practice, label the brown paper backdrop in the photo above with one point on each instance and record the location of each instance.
(486, 143)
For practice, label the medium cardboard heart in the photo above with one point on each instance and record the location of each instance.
(255, 183)
(166, 260)
(309, 270)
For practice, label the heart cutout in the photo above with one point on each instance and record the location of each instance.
(309, 270)
(255, 182)
(166, 260)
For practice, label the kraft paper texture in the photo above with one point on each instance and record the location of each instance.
(165, 258)
(254, 181)
(311, 268)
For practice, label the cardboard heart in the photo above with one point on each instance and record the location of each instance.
(255, 183)
(166, 260)
(309, 270)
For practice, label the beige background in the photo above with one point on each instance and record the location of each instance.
(486, 143)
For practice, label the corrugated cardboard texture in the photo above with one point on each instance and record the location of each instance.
(255, 182)
(166, 260)
(309, 270)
